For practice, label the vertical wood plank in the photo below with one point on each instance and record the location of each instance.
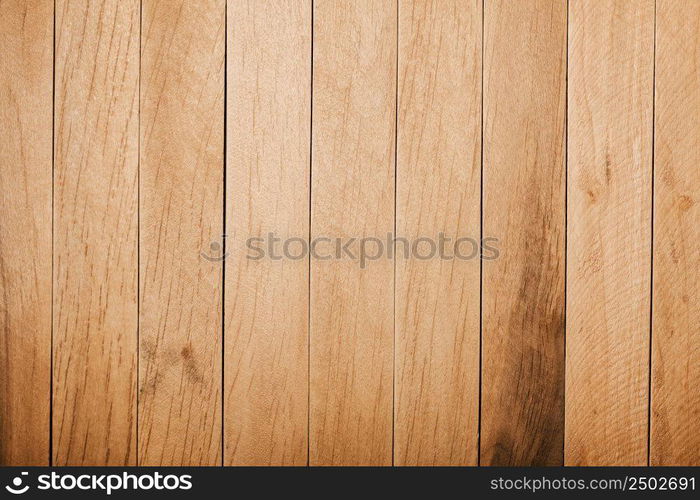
(438, 192)
(609, 231)
(26, 75)
(523, 189)
(675, 418)
(95, 236)
(181, 198)
(354, 111)
(267, 300)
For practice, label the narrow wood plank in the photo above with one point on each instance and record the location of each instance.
(351, 353)
(181, 198)
(438, 192)
(523, 187)
(609, 231)
(26, 75)
(95, 237)
(267, 300)
(675, 419)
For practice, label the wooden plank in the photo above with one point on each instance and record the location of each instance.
(609, 231)
(267, 300)
(523, 190)
(26, 72)
(95, 232)
(438, 191)
(181, 198)
(675, 418)
(351, 352)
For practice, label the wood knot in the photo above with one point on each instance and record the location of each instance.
(685, 202)
(186, 352)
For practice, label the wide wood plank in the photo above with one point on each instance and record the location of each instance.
(523, 187)
(95, 237)
(675, 418)
(609, 231)
(26, 70)
(181, 222)
(268, 148)
(438, 192)
(352, 320)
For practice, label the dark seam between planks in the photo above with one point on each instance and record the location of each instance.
(396, 181)
(53, 173)
(566, 229)
(308, 305)
(138, 243)
(481, 236)
(223, 238)
(651, 246)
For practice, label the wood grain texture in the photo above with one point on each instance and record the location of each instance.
(351, 352)
(675, 418)
(267, 299)
(609, 231)
(95, 232)
(438, 192)
(523, 187)
(181, 196)
(145, 142)
(26, 66)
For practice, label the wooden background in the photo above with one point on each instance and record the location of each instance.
(134, 134)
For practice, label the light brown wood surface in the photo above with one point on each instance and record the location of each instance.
(95, 232)
(438, 191)
(144, 142)
(609, 231)
(524, 187)
(181, 215)
(26, 72)
(268, 154)
(352, 309)
(675, 363)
